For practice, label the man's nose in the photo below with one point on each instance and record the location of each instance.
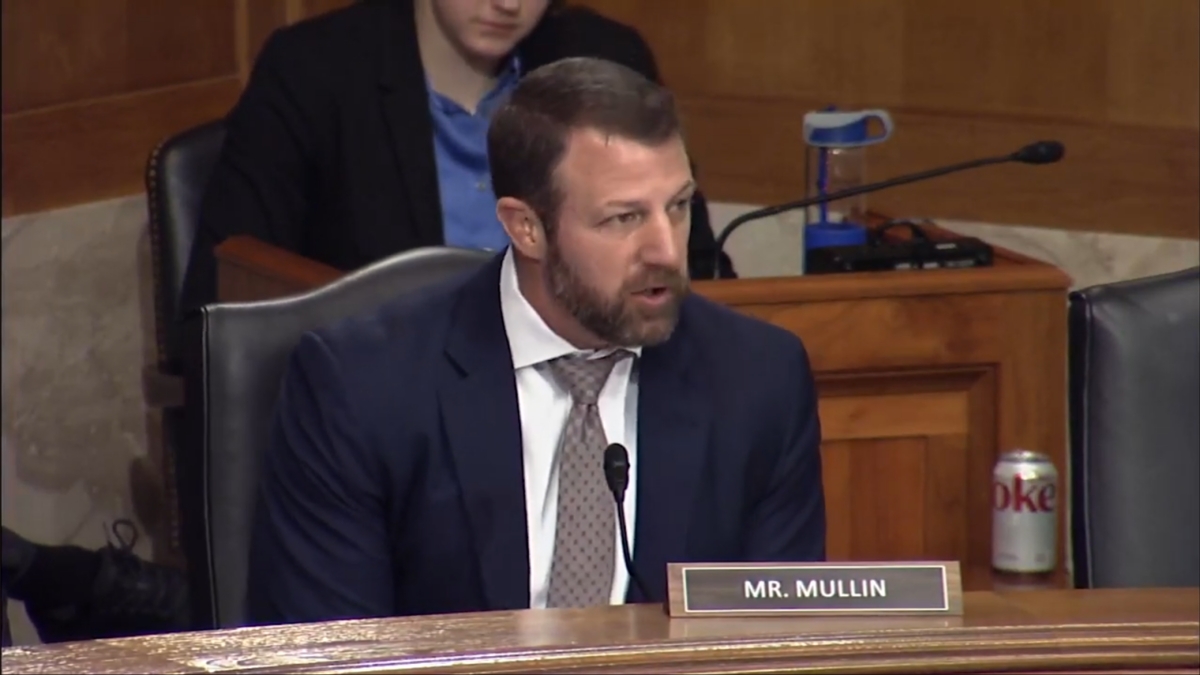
(662, 243)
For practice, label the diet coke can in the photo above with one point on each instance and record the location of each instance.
(1024, 513)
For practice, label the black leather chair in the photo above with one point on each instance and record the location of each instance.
(237, 354)
(176, 176)
(1135, 432)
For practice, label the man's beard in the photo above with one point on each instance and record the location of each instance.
(618, 321)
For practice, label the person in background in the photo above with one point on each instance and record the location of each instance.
(362, 133)
(72, 593)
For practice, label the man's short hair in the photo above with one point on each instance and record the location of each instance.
(529, 132)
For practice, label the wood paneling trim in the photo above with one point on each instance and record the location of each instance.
(907, 381)
(276, 263)
(96, 150)
(893, 415)
(826, 287)
(982, 450)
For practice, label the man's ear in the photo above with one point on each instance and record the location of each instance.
(523, 226)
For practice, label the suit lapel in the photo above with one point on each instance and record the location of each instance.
(673, 417)
(480, 412)
(406, 111)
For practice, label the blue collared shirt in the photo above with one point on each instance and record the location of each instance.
(464, 180)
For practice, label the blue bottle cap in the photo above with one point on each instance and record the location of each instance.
(827, 129)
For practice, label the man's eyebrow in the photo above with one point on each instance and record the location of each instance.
(633, 204)
(624, 204)
(687, 187)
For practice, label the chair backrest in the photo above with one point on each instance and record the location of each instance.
(1135, 432)
(176, 177)
(235, 358)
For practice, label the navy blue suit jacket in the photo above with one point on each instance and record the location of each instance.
(393, 484)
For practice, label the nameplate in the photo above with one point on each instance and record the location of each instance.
(829, 589)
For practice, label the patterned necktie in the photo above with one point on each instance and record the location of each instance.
(581, 572)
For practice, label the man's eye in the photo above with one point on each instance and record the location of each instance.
(626, 218)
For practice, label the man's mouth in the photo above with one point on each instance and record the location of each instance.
(653, 291)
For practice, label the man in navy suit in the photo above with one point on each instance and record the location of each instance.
(444, 455)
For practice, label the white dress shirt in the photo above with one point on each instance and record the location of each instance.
(544, 407)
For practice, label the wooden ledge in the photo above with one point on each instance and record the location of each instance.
(1105, 630)
(287, 272)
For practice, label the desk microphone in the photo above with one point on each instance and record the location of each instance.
(1041, 152)
(616, 474)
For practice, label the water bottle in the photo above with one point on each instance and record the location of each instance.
(836, 159)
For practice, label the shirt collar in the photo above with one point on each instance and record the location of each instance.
(530, 340)
(508, 76)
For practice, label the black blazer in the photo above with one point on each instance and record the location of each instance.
(329, 152)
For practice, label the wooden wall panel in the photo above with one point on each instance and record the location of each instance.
(255, 20)
(1152, 63)
(1117, 80)
(83, 152)
(902, 456)
(916, 409)
(72, 50)
(91, 86)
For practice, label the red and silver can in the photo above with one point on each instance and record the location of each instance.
(1024, 513)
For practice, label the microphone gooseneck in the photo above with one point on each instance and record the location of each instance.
(616, 474)
(1041, 152)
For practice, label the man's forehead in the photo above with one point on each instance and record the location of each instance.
(596, 159)
(591, 141)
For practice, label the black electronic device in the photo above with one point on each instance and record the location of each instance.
(919, 252)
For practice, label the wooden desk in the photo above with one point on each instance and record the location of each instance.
(1046, 631)
(924, 378)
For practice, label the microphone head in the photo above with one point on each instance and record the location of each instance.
(616, 469)
(1042, 152)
